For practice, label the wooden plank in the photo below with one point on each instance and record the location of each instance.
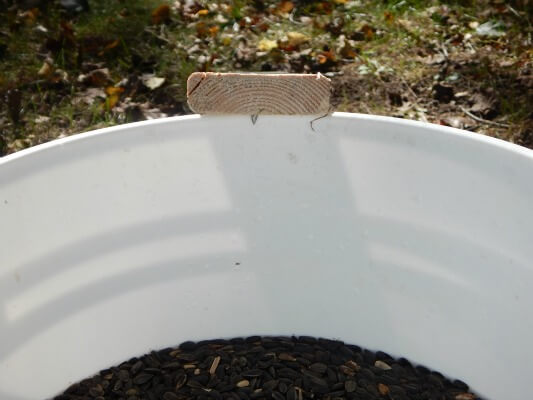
(257, 93)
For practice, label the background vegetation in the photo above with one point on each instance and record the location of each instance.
(69, 66)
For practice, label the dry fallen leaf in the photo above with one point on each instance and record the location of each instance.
(346, 48)
(41, 119)
(491, 29)
(296, 38)
(45, 70)
(267, 45)
(284, 7)
(40, 29)
(67, 34)
(112, 90)
(111, 101)
(408, 25)
(389, 17)
(30, 16)
(323, 7)
(226, 39)
(201, 29)
(326, 56)
(329, 55)
(89, 96)
(482, 105)
(59, 75)
(113, 95)
(97, 77)
(151, 81)
(161, 14)
(152, 112)
(433, 59)
(507, 63)
(455, 122)
(368, 31)
(213, 31)
(109, 46)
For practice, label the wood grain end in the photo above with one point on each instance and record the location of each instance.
(258, 93)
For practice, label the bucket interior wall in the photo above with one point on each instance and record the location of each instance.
(405, 237)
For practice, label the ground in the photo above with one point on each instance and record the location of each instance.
(466, 64)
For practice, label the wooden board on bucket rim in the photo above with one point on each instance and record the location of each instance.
(258, 93)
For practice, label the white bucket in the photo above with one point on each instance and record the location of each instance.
(410, 238)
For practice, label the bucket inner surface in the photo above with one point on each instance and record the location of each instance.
(406, 237)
